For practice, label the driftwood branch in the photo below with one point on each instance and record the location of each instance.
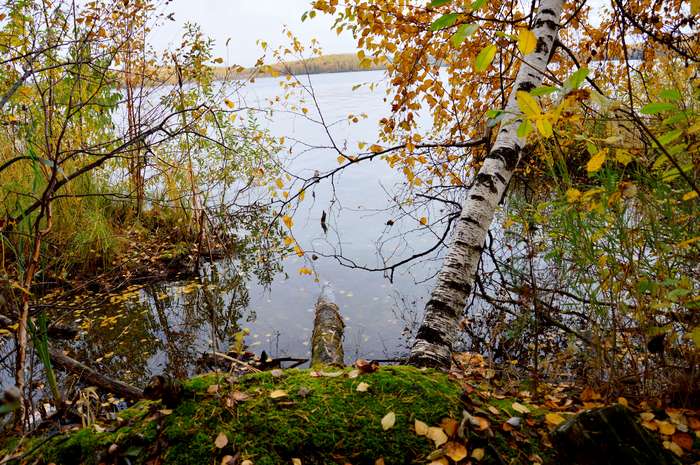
(327, 337)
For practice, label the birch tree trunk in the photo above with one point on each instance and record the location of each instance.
(438, 331)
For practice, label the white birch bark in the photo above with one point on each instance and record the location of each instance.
(438, 331)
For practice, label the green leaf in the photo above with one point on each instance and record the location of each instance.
(436, 3)
(444, 21)
(676, 293)
(464, 31)
(543, 90)
(656, 107)
(484, 58)
(524, 128)
(670, 94)
(576, 79)
(477, 4)
(494, 113)
(670, 136)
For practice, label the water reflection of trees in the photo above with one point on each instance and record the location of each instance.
(166, 327)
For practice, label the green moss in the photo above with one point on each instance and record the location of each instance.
(321, 420)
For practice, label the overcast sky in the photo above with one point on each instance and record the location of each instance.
(244, 22)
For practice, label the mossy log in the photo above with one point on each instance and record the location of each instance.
(327, 337)
(608, 436)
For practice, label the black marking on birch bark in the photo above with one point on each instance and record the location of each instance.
(431, 336)
(548, 23)
(477, 197)
(508, 155)
(458, 286)
(487, 180)
(547, 11)
(466, 245)
(526, 86)
(500, 178)
(542, 46)
(468, 219)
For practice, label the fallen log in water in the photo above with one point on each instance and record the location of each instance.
(327, 336)
(92, 377)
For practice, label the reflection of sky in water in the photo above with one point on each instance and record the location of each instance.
(280, 316)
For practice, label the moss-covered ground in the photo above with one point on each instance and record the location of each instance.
(317, 419)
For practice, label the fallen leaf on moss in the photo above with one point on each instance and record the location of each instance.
(646, 416)
(553, 419)
(296, 461)
(379, 461)
(437, 435)
(665, 428)
(440, 461)
(478, 454)
(520, 408)
(247, 462)
(684, 440)
(278, 394)
(421, 428)
(213, 389)
(494, 410)
(673, 447)
(362, 387)
(388, 421)
(221, 441)
(366, 367)
(455, 451)
(228, 460)
(450, 426)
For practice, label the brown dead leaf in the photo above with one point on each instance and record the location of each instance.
(494, 410)
(589, 394)
(622, 401)
(694, 423)
(277, 373)
(455, 451)
(227, 460)
(421, 428)
(247, 462)
(296, 461)
(440, 461)
(213, 389)
(239, 396)
(366, 367)
(362, 387)
(388, 421)
(221, 440)
(684, 440)
(450, 426)
(379, 461)
(646, 416)
(437, 435)
(354, 373)
(650, 425)
(480, 423)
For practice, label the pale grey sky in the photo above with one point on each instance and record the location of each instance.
(245, 21)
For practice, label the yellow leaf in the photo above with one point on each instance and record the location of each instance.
(478, 454)
(554, 419)
(622, 401)
(623, 156)
(673, 447)
(421, 428)
(544, 127)
(229, 103)
(665, 428)
(278, 394)
(362, 387)
(288, 240)
(690, 195)
(596, 161)
(341, 159)
(437, 435)
(528, 105)
(288, 221)
(388, 421)
(572, 195)
(440, 461)
(298, 251)
(305, 271)
(646, 416)
(424, 220)
(375, 148)
(520, 408)
(296, 461)
(526, 41)
(302, 194)
(455, 451)
(221, 441)
(279, 183)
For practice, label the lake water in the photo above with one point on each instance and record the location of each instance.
(165, 328)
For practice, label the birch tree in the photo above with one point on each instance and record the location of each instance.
(438, 331)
